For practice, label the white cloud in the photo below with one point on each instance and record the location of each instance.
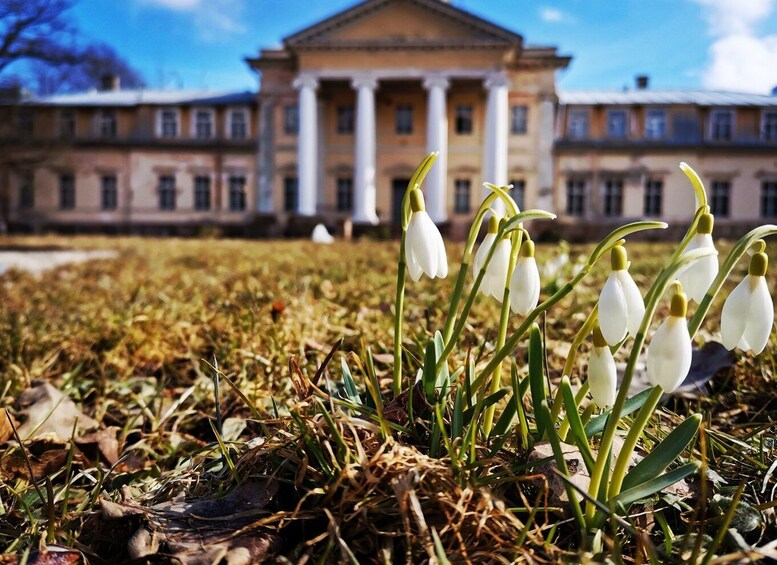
(551, 15)
(739, 57)
(211, 18)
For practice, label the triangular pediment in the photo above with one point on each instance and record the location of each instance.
(402, 23)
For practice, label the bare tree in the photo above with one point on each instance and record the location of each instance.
(36, 30)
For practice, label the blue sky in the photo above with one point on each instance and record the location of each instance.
(720, 44)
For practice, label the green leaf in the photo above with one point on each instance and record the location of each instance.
(457, 418)
(575, 425)
(662, 455)
(505, 419)
(428, 377)
(443, 378)
(349, 384)
(485, 403)
(649, 488)
(536, 375)
(596, 425)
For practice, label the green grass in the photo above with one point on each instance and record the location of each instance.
(132, 340)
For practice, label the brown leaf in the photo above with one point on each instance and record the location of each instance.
(45, 410)
(6, 431)
(103, 442)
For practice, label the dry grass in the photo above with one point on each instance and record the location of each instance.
(133, 340)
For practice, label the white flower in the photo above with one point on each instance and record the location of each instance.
(669, 352)
(620, 304)
(602, 375)
(748, 314)
(495, 277)
(525, 282)
(697, 277)
(424, 247)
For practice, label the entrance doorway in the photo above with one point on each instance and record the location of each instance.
(398, 187)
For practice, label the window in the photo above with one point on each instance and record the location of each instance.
(685, 128)
(108, 193)
(464, 119)
(769, 199)
(238, 124)
(654, 189)
(721, 125)
(168, 126)
(769, 126)
(344, 194)
(655, 124)
(719, 198)
(519, 120)
(577, 128)
(26, 122)
(575, 197)
(291, 119)
(167, 192)
(404, 120)
(202, 192)
(107, 124)
(613, 197)
(290, 194)
(237, 193)
(67, 123)
(345, 120)
(461, 196)
(26, 192)
(203, 124)
(616, 123)
(67, 192)
(518, 192)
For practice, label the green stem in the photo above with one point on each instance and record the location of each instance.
(399, 307)
(488, 417)
(637, 426)
(564, 427)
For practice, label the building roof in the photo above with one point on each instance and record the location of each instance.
(143, 96)
(658, 97)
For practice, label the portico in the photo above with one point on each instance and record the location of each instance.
(376, 87)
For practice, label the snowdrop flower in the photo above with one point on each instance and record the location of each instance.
(424, 248)
(602, 376)
(697, 278)
(748, 314)
(525, 282)
(669, 352)
(620, 304)
(493, 283)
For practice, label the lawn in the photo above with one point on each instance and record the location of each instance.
(136, 343)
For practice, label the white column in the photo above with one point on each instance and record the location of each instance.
(364, 193)
(495, 155)
(437, 140)
(545, 155)
(307, 138)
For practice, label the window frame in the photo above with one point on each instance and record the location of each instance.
(612, 202)
(195, 123)
(713, 133)
(516, 120)
(519, 188)
(647, 129)
(715, 197)
(168, 195)
(462, 195)
(161, 124)
(202, 197)
(768, 133)
(67, 191)
(107, 123)
(109, 195)
(768, 200)
(578, 115)
(463, 119)
(67, 117)
(576, 191)
(291, 119)
(238, 201)
(653, 204)
(26, 190)
(290, 193)
(229, 122)
(609, 133)
(344, 193)
(346, 119)
(403, 119)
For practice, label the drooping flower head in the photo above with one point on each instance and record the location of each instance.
(748, 314)
(525, 282)
(424, 247)
(669, 352)
(495, 278)
(602, 375)
(620, 303)
(697, 278)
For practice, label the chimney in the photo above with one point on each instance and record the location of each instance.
(110, 82)
(642, 82)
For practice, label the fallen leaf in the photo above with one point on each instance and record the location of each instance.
(6, 431)
(45, 410)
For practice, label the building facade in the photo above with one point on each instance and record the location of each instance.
(345, 111)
